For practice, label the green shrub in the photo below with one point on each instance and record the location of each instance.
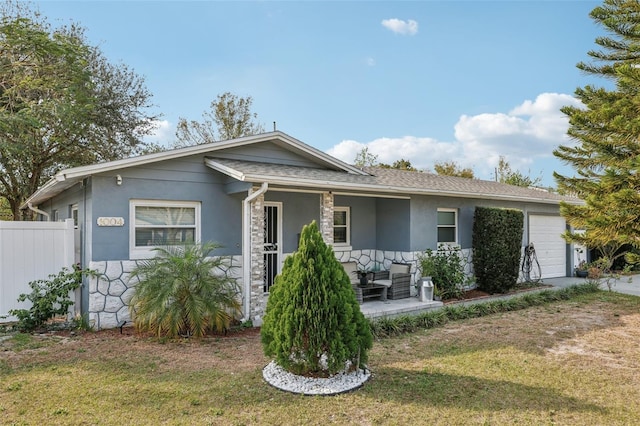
(313, 324)
(49, 298)
(497, 242)
(446, 269)
(182, 292)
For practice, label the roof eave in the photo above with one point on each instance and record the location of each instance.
(330, 185)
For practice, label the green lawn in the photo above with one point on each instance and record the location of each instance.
(573, 363)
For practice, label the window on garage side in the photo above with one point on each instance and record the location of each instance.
(447, 226)
(341, 227)
(162, 223)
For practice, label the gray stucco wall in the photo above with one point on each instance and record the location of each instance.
(363, 220)
(393, 227)
(298, 209)
(177, 180)
(266, 152)
(424, 218)
(221, 214)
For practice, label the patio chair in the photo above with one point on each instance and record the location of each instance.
(397, 279)
(351, 268)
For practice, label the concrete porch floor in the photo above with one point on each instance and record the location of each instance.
(413, 306)
(391, 308)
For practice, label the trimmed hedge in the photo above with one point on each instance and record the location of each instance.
(389, 327)
(497, 247)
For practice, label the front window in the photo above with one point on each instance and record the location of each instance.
(74, 214)
(341, 226)
(162, 223)
(447, 226)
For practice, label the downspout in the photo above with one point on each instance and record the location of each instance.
(37, 210)
(246, 247)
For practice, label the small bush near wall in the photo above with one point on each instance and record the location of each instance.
(49, 298)
(179, 292)
(446, 270)
(497, 241)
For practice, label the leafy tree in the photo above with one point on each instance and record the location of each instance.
(61, 104)
(364, 158)
(451, 168)
(606, 155)
(183, 291)
(229, 117)
(313, 324)
(401, 164)
(504, 174)
(5, 211)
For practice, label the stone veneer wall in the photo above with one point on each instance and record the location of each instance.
(111, 290)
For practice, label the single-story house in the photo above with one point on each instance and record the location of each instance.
(254, 194)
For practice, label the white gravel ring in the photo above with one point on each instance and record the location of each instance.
(342, 382)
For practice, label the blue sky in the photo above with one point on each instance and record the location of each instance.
(426, 81)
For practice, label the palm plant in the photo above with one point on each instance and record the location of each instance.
(183, 291)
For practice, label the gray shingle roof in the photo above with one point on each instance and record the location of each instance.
(384, 181)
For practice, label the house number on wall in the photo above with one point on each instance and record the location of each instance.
(110, 221)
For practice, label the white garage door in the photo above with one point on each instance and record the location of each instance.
(551, 248)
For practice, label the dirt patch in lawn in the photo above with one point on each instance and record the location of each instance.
(479, 294)
(235, 351)
(596, 330)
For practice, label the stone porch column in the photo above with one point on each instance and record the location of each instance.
(257, 298)
(326, 217)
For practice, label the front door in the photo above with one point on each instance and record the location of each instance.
(272, 250)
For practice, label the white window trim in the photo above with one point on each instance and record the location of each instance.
(147, 251)
(346, 245)
(455, 226)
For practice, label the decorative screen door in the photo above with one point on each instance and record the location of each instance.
(272, 249)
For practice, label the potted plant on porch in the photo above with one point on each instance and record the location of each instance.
(363, 275)
(582, 269)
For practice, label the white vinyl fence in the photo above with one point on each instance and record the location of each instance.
(31, 251)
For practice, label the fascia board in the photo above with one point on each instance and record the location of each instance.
(53, 187)
(84, 171)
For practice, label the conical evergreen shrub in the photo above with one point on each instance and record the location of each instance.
(313, 324)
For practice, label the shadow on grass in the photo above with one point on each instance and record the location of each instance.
(467, 392)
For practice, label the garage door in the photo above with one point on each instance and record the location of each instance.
(551, 249)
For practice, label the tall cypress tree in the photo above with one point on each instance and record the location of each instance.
(607, 131)
(313, 324)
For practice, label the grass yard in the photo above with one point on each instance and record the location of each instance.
(575, 362)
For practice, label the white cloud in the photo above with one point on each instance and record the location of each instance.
(370, 62)
(422, 152)
(527, 133)
(163, 133)
(399, 26)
